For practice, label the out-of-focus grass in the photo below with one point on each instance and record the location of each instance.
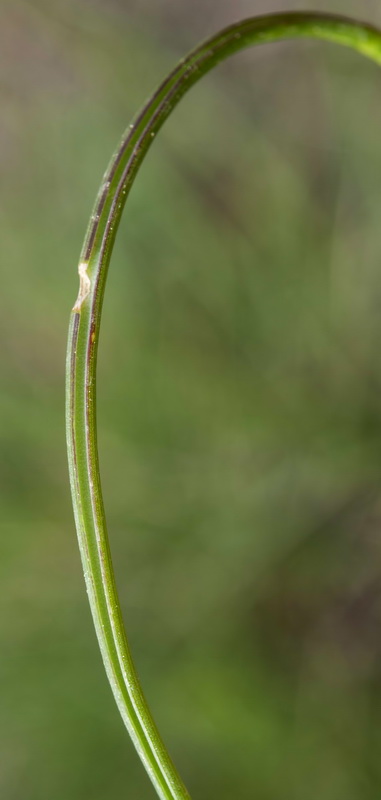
(240, 445)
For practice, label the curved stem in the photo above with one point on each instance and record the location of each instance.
(82, 354)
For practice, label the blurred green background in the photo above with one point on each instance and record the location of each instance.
(239, 406)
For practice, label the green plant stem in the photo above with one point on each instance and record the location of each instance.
(83, 344)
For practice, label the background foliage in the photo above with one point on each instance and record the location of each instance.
(241, 441)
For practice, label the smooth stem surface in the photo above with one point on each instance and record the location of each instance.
(83, 344)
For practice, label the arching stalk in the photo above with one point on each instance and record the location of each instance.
(83, 343)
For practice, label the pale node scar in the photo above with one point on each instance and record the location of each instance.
(84, 285)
